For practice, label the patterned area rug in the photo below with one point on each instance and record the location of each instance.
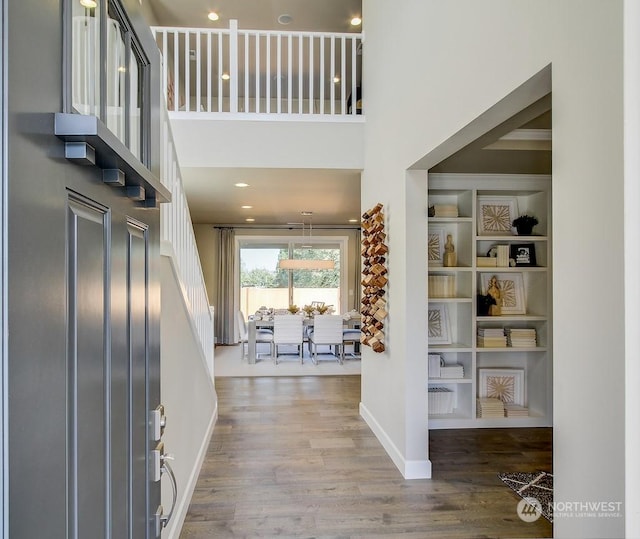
(538, 485)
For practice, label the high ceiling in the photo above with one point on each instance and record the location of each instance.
(277, 195)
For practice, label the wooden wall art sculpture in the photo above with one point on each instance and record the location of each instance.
(374, 279)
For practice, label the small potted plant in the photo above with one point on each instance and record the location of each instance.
(293, 309)
(524, 224)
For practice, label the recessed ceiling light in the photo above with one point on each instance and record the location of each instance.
(249, 219)
(354, 220)
(89, 3)
(356, 21)
(306, 213)
(246, 207)
(285, 19)
(225, 76)
(241, 184)
(213, 16)
(336, 79)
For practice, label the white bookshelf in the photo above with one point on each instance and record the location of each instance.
(530, 194)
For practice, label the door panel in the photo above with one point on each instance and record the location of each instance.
(88, 367)
(137, 309)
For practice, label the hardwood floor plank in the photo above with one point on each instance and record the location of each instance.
(290, 457)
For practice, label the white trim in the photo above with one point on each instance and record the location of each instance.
(166, 250)
(528, 134)
(267, 117)
(180, 512)
(410, 469)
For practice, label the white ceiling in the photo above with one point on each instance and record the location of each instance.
(278, 196)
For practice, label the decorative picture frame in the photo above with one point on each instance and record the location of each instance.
(508, 385)
(495, 215)
(512, 288)
(435, 245)
(439, 331)
(524, 254)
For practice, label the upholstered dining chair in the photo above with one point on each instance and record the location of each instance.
(327, 330)
(351, 336)
(287, 330)
(262, 335)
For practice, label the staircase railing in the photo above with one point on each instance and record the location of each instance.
(261, 71)
(177, 236)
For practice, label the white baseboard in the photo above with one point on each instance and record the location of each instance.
(182, 506)
(410, 469)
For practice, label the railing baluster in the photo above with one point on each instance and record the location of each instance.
(209, 63)
(332, 75)
(279, 74)
(257, 73)
(198, 70)
(165, 67)
(354, 73)
(289, 74)
(220, 71)
(343, 75)
(176, 73)
(233, 65)
(322, 70)
(246, 72)
(187, 73)
(300, 71)
(311, 81)
(268, 74)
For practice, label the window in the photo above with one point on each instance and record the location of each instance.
(262, 283)
(109, 71)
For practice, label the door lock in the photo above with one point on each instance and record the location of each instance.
(158, 422)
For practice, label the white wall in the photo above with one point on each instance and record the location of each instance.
(245, 143)
(451, 62)
(188, 394)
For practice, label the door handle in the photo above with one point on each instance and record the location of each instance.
(164, 519)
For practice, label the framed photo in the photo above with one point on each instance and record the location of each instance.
(511, 287)
(504, 384)
(439, 330)
(495, 215)
(435, 245)
(524, 254)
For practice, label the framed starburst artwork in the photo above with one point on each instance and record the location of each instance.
(504, 384)
(439, 330)
(495, 215)
(435, 245)
(511, 287)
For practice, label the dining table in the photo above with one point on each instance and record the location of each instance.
(255, 323)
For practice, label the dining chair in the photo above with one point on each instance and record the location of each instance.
(351, 336)
(287, 330)
(262, 335)
(327, 330)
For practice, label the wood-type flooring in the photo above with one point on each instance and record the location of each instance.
(291, 457)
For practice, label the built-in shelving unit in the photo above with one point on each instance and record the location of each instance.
(454, 319)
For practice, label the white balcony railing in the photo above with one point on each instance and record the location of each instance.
(257, 72)
(179, 240)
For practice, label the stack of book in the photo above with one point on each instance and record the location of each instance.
(442, 286)
(514, 410)
(435, 361)
(446, 210)
(440, 400)
(452, 371)
(489, 407)
(521, 338)
(491, 338)
(502, 256)
(486, 261)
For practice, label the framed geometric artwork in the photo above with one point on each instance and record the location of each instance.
(435, 245)
(495, 215)
(511, 287)
(439, 330)
(504, 384)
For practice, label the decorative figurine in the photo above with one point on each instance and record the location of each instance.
(494, 291)
(450, 258)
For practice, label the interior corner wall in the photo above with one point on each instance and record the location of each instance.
(451, 61)
(207, 244)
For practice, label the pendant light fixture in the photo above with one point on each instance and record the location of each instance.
(306, 263)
